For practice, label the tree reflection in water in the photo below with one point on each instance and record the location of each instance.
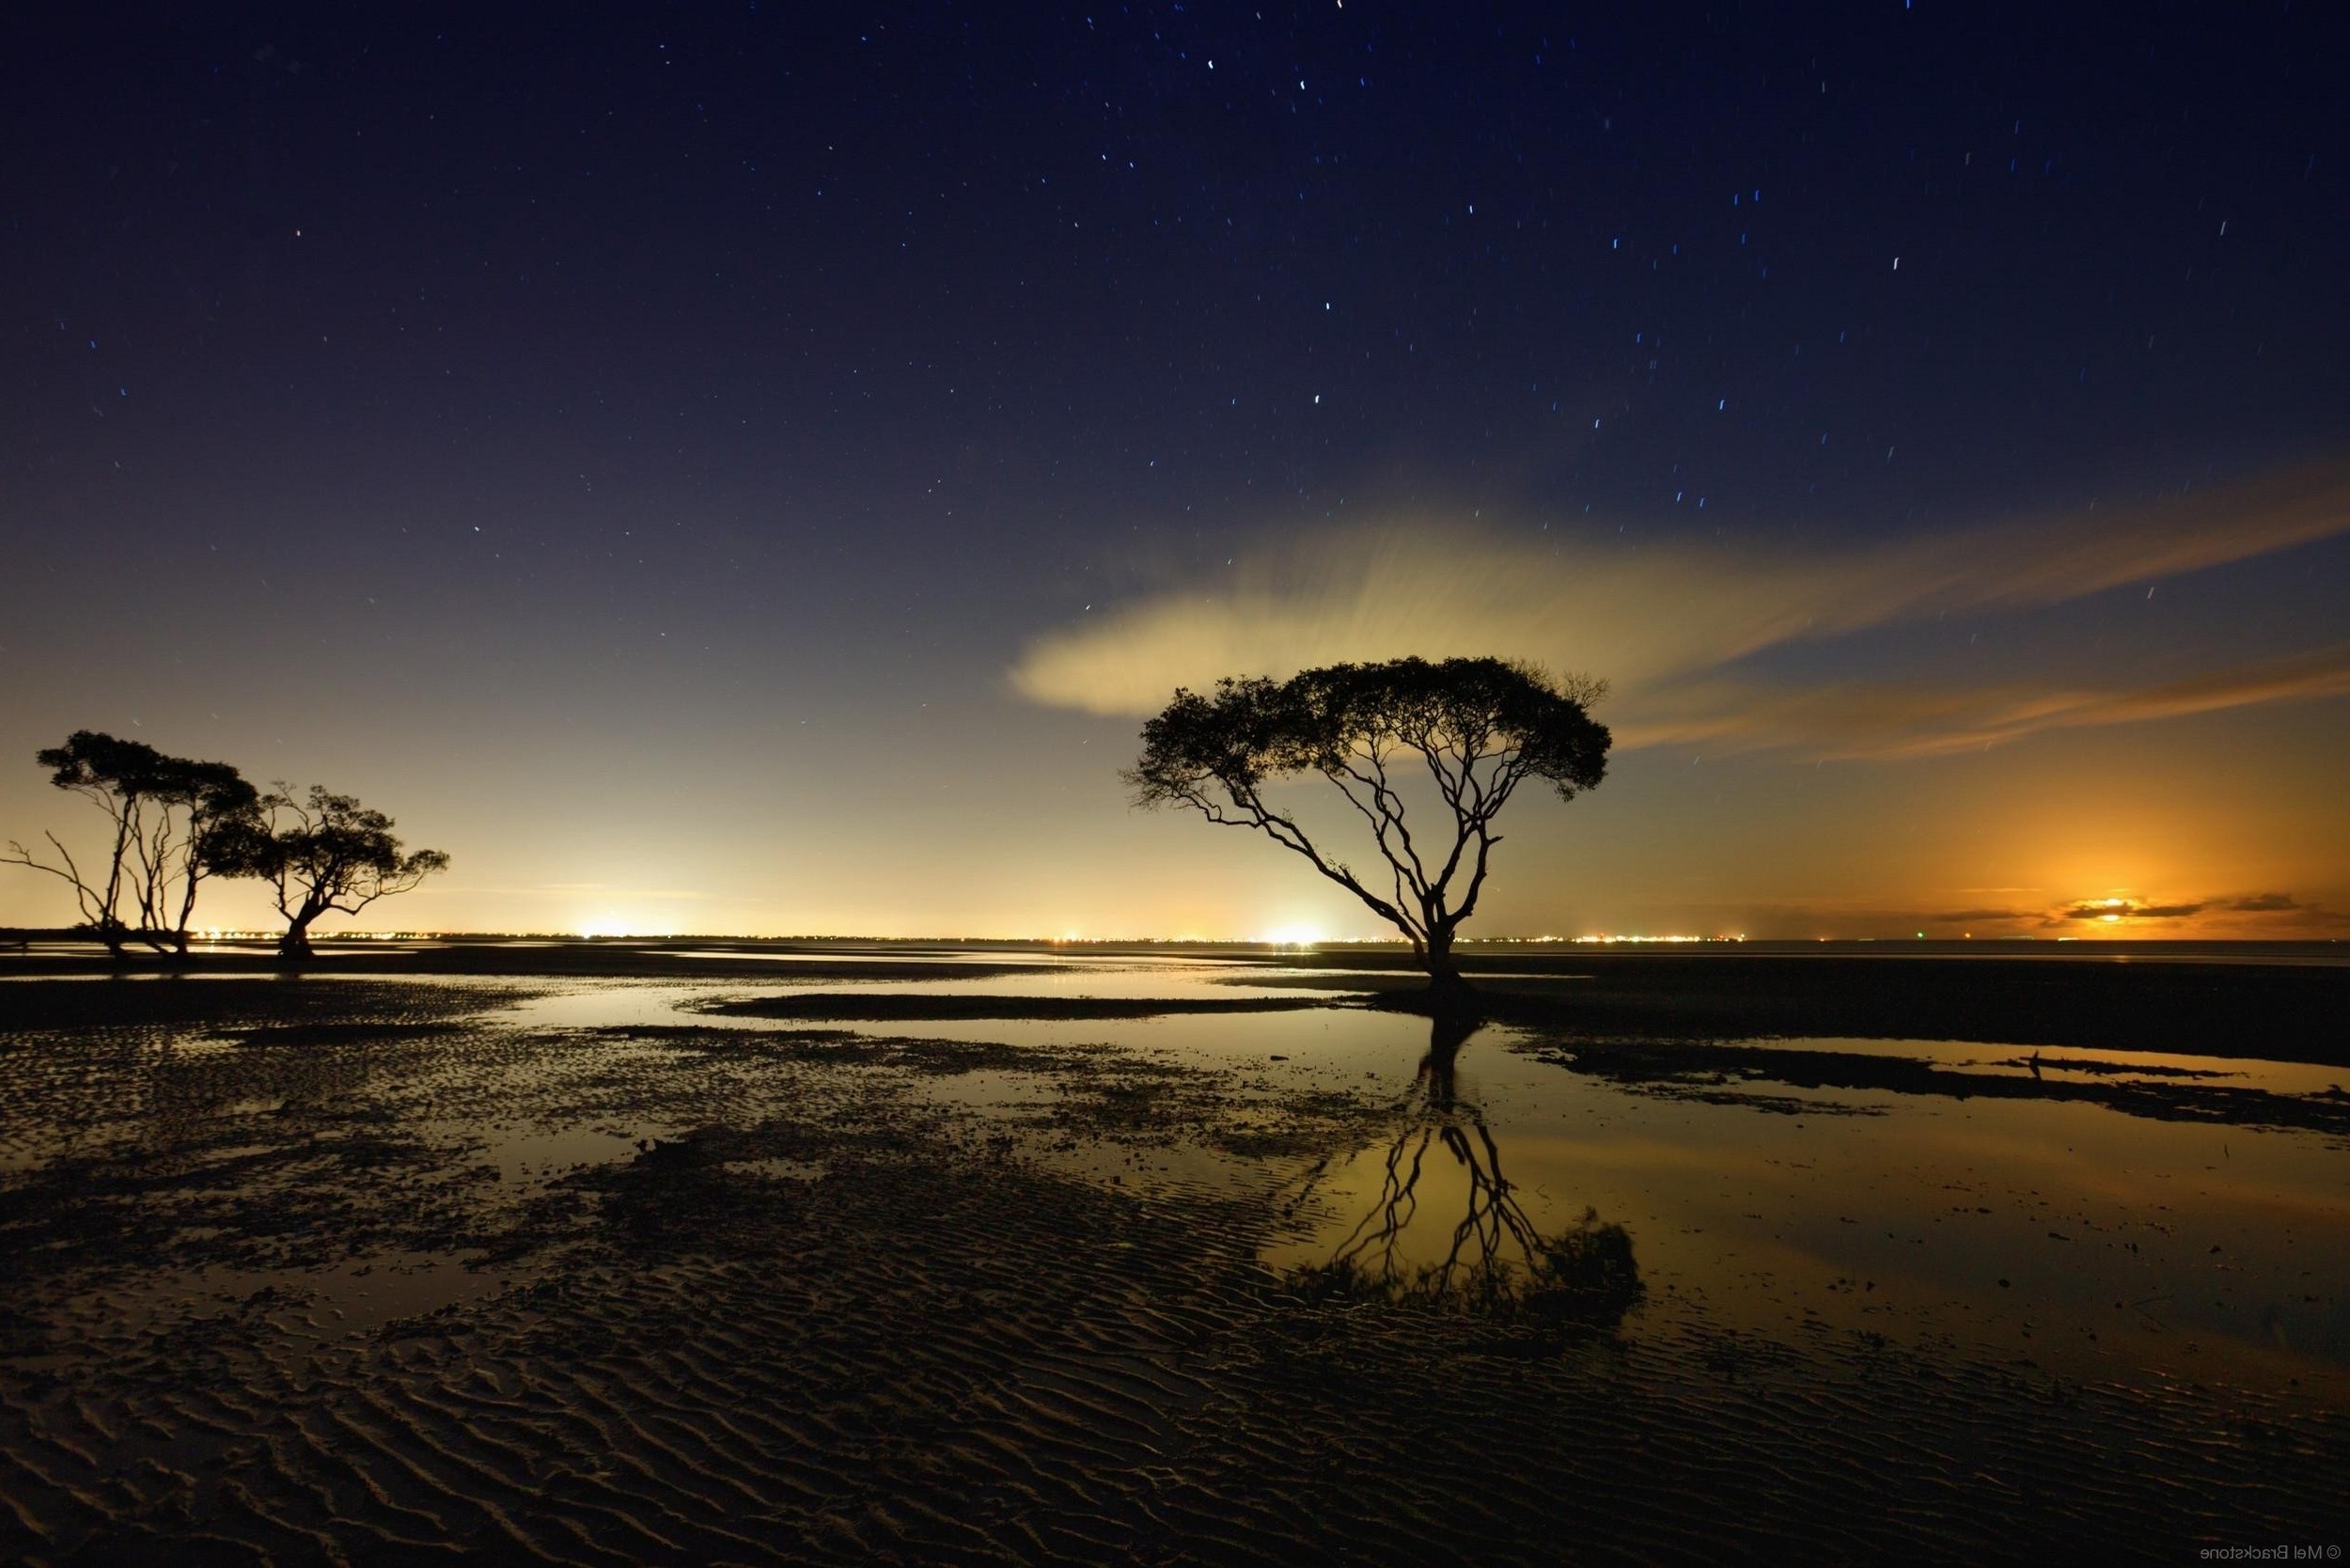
(1497, 1259)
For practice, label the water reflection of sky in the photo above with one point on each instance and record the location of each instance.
(2016, 1226)
(585, 1004)
(2087, 1241)
(2079, 1237)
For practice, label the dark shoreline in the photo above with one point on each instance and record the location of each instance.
(2271, 1001)
(2280, 1012)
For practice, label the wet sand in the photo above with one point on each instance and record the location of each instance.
(572, 1266)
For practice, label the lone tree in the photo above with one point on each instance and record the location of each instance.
(327, 852)
(1477, 728)
(175, 822)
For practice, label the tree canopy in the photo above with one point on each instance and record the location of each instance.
(1475, 729)
(326, 852)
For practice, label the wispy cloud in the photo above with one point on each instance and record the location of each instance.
(2125, 911)
(1886, 720)
(2268, 903)
(1666, 622)
(2240, 913)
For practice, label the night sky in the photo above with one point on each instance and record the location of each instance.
(752, 468)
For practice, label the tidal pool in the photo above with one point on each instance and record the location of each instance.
(2105, 1214)
(2076, 1235)
(2063, 1220)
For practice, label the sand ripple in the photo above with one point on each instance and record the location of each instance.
(919, 1361)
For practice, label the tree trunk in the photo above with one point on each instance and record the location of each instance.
(112, 924)
(297, 942)
(1445, 981)
(187, 904)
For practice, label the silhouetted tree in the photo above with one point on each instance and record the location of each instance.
(327, 852)
(1478, 727)
(111, 775)
(205, 812)
(173, 820)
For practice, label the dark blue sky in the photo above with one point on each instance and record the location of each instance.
(663, 377)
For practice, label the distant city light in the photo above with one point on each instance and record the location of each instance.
(225, 934)
(1613, 939)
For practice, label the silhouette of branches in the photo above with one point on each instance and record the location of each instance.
(1479, 727)
(1497, 1259)
(170, 818)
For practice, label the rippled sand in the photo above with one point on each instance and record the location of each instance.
(373, 1271)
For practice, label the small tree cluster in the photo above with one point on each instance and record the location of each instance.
(175, 823)
(171, 820)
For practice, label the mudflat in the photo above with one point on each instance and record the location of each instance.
(763, 1254)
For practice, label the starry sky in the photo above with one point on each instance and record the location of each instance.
(750, 468)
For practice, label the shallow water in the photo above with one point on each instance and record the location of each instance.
(2071, 1235)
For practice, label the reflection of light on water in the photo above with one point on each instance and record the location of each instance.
(1777, 1207)
(539, 1156)
(2084, 1239)
(348, 1300)
(1311, 1042)
(621, 1006)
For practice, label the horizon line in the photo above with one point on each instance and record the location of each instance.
(217, 937)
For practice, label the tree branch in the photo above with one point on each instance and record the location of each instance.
(86, 897)
(1383, 819)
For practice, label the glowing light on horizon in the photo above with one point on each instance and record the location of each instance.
(614, 925)
(1611, 938)
(212, 935)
